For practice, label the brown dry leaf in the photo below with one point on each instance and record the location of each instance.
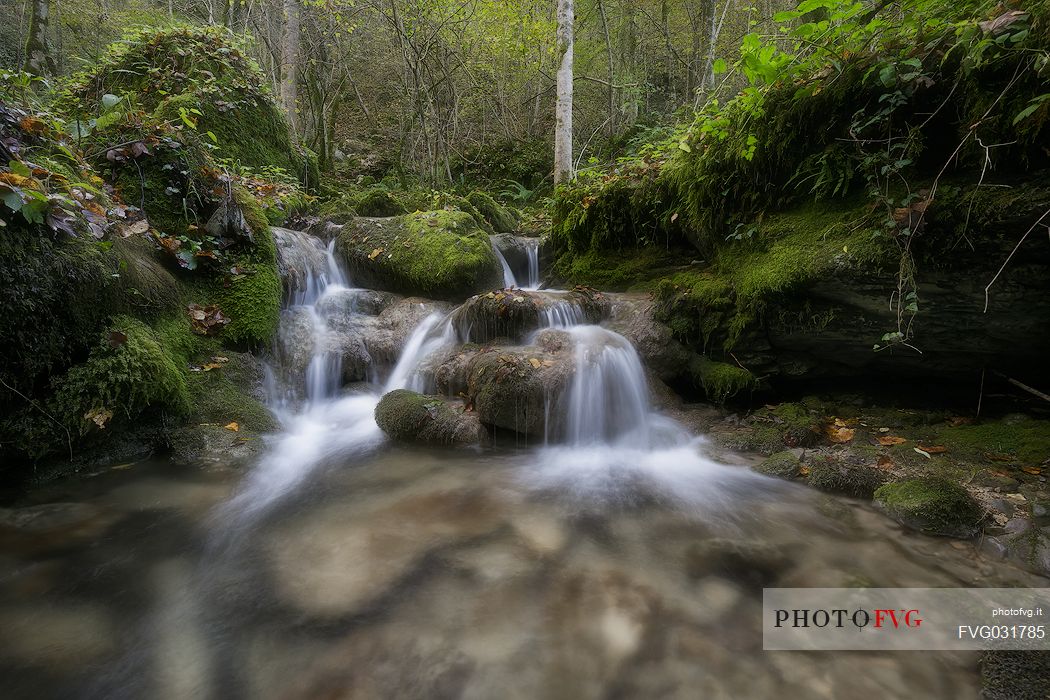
(803, 470)
(375, 253)
(1034, 471)
(996, 472)
(996, 457)
(535, 362)
(839, 435)
(234, 426)
(99, 416)
(890, 440)
(116, 339)
(884, 462)
(934, 450)
(211, 365)
(956, 421)
(994, 26)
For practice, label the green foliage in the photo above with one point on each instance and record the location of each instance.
(722, 381)
(122, 376)
(934, 505)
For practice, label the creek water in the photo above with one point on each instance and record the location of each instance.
(624, 558)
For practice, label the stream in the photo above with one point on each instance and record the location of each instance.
(620, 557)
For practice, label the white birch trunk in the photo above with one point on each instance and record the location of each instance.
(563, 170)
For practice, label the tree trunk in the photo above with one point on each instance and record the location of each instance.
(612, 71)
(563, 169)
(39, 60)
(290, 62)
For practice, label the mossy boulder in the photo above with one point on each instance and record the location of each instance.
(499, 217)
(406, 416)
(1014, 675)
(436, 254)
(721, 381)
(784, 465)
(931, 505)
(197, 78)
(832, 475)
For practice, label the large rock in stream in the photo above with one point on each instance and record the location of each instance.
(436, 254)
(512, 314)
(406, 416)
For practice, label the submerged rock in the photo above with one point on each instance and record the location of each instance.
(438, 254)
(783, 464)
(406, 416)
(932, 505)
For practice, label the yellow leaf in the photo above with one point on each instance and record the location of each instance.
(804, 470)
(375, 253)
(839, 435)
(233, 426)
(1035, 471)
(99, 416)
(535, 362)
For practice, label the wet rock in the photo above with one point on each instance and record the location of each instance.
(515, 250)
(300, 257)
(406, 416)
(745, 561)
(510, 388)
(348, 309)
(1015, 675)
(783, 464)
(51, 526)
(438, 254)
(512, 314)
(931, 505)
(833, 475)
(385, 339)
(654, 341)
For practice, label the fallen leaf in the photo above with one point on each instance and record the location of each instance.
(535, 362)
(839, 435)
(924, 453)
(804, 470)
(99, 416)
(994, 26)
(375, 253)
(1035, 471)
(234, 426)
(956, 421)
(890, 440)
(884, 462)
(116, 339)
(997, 457)
(211, 365)
(934, 450)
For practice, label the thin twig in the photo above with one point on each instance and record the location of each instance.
(1022, 385)
(1010, 257)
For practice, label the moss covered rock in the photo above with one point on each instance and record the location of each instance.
(931, 505)
(513, 314)
(498, 217)
(436, 254)
(406, 416)
(783, 464)
(1015, 675)
(197, 78)
(835, 476)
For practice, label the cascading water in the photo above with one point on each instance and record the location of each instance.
(532, 251)
(509, 281)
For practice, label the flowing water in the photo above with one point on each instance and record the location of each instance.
(625, 558)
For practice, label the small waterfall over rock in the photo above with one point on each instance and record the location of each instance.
(608, 401)
(532, 251)
(509, 280)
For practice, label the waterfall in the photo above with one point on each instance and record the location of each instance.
(431, 335)
(532, 250)
(608, 401)
(508, 275)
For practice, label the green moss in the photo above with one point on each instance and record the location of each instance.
(406, 416)
(1026, 440)
(499, 217)
(440, 254)
(128, 371)
(933, 505)
(782, 464)
(225, 394)
(57, 293)
(834, 476)
(253, 303)
(721, 381)
(623, 270)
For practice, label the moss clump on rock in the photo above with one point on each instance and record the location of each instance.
(721, 381)
(436, 254)
(1028, 440)
(932, 505)
(833, 476)
(406, 416)
(783, 464)
(498, 216)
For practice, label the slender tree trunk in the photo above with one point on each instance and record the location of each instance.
(563, 169)
(290, 62)
(612, 70)
(39, 59)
